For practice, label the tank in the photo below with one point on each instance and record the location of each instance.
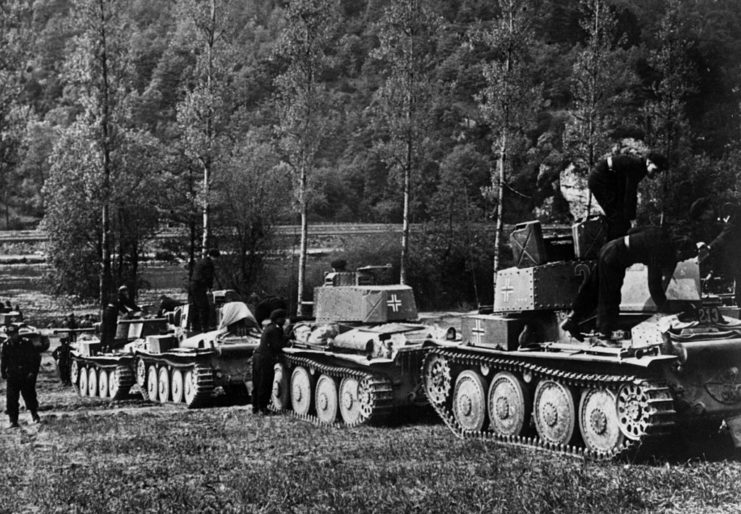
(108, 372)
(518, 379)
(360, 357)
(39, 338)
(195, 369)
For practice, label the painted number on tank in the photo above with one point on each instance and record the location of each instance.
(709, 315)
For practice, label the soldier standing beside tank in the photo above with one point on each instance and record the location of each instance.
(201, 282)
(724, 251)
(63, 355)
(19, 366)
(614, 184)
(263, 361)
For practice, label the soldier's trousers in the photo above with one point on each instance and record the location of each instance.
(64, 373)
(17, 387)
(262, 381)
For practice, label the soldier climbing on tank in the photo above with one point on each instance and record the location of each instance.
(723, 253)
(126, 305)
(272, 341)
(108, 322)
(63, 356)
(614, 184)
(19, 366)
(201, 283)
(651, 246)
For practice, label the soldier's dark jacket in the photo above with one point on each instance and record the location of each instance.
(19, 359)
(271, 341)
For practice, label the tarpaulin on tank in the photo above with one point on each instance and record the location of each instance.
(233, 312)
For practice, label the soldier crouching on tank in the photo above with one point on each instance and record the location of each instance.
(723, 253)
(651, 246)
(272, 342)
(19, 366)
(63, 355)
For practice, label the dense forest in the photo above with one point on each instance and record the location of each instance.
(225, 117)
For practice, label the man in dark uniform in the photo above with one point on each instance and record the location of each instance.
(108, 322)
(19, 366)
(614, 184)
(263, 361)
(201, 282)
(723, 253)
(126, 305)
(651, 246)
(63, 355)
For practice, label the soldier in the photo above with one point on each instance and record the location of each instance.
(201, 282)
(126, 305)
(724, 251)
(614, 184)
(651, 246)
(263, 361)
(63, 355)
(20, 365)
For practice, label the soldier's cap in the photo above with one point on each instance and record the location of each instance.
(123, 288)
(278, 313)
(659, 160)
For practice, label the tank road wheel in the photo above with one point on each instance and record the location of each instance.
(555, 415)
(280, 396)
(103, 383)
(82, 389)
(163, 385)
(508, 405)
(74, 372)
(437, 379)
(141, 378)
(301, 391)
(152, 383)
(357, 401)
(598, 421)
(92, 382)
(177, 386)
(325, 399)
(198, 384)
(114, 384)
(469, 401)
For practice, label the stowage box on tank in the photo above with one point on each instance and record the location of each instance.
(364, 304)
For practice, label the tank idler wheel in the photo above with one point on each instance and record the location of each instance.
(469, 401)
(437, 379)
(82, 386)
(74, 372)
(152, 383)
(301, 387)
(198, 384)
(555, 414)
(92, 382)
(508, 404)
(103, 383)
(281, 391)
(177, 386)
(325, 399)
(598, 421)
(163, 385)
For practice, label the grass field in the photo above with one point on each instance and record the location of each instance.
(93, 456)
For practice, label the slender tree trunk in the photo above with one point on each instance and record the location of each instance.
(303, 242)
(209, 132)
(405, 218)
(105, 271)
(500, 204)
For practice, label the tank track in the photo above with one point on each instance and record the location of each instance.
(123, 373)
(204, 386)
(660, 422)
(382, 395)
(204, 380)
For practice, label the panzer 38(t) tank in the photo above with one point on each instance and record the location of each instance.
(361, 356)
(192, 369)
(520, 380)
(108, 372)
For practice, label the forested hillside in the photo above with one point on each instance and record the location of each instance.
(228, 116)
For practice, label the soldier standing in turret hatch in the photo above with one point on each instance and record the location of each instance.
(614, 184)
(201, 282)
(19, 366)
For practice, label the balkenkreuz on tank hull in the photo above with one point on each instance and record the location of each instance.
(193, 369)
(360, 358)
(520, 380)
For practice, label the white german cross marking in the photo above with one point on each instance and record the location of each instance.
(394, 303)
(507, 289)
(478, 331)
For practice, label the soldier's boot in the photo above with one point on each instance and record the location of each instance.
(13, 424)
(571, 326)
(35, 417)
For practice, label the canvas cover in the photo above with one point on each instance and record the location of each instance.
(233, 312)
(364, 304)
